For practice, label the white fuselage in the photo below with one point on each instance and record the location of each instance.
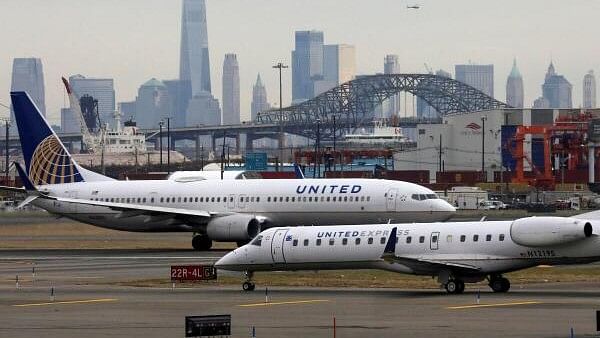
(486, 246)
(279, 202)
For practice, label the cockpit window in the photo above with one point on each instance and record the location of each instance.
(423, 197)
(432, 196)
(257, 241)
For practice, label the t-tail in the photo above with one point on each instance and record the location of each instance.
(47, 161)
(390, 248)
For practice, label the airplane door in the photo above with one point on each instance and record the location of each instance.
(434, 240)
(277, 246)
(391, 199)
(231, 202)
(242, 201)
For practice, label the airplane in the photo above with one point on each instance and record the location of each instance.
(214, 210)
(454, 252)
(413, 7)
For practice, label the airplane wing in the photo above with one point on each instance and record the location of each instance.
(12, 189)
(130, 210)
(429, 264)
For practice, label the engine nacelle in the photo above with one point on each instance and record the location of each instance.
(549, 231)
(233, 228)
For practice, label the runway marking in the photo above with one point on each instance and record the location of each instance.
(491, 305)
(85, 301)
(285, 303)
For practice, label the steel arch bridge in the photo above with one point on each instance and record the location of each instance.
(351, 104)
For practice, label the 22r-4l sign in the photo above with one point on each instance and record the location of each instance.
(193, 272)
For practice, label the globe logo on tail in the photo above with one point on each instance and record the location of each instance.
(51, 164)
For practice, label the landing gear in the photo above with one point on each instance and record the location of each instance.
(455, 286)
(201, 243)
(248, 285)
(499, 284)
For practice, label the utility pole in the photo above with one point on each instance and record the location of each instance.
(334, 131)
(160, 126)
(440, 153)
(280, 66)
(168, 145)
(483, 118)
(6, 151)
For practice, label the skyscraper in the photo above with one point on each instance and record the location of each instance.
(231, 90)
(514, 87)
(307, 64)
(194, 65)
(259, 98)
(477, 76)
(391, 106)
(28, 76)
(589, 90)
(556, 89)
(339, 66)
(101, 89)
(152, 104)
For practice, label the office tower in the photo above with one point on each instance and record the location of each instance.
(152, 104)
(556, 89)
(589, 90)
(194, 65)
(541, 102)
(179, 97)
(514, 87)
(69, 123)
(307, 64)
(424, 110)
(259, 98)
(203, 109)
(339, 66)
(127, 109)
(231, 90)
(28, 76)
(101, 90)
(391, 106)
(477, 76)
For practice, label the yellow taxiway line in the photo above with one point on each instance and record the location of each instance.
(490, 305)
(85, 301)
(285, 303)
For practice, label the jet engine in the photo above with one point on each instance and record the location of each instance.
(549, 231)
(233, 228)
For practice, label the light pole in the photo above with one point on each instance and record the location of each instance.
(483, 118)
(168, 145)
(160, 126)
(280, 66)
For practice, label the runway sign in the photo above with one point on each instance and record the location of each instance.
(193, 272)
(204, 326)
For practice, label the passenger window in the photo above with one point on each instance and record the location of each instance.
(162, 199)
(422, 239)
(370, 240)
(368, 198)
(362, 198)
(345, 241)
(434, 239)
(350, 198)
(463, 238)
(345, 198)
(306, 242)
(304, 198)
(331, 241)
(310, 199)
(287, 198)
(488, 238)
(357, 241)
(318, 241)
(334, 198)
(257, 199)
(322, 198)
(179, 199)
(144, 200)
(328, 198)
(408, 240)
(152, 200)
(449, 238)
(269, 199)
(382, 240)
(168, 199)
(212, 199)
(257, 241)
(185, 200)
(501, 237)
(475, 238)
(127, 199)
(219, 199)
(252, 199)
(201, 199)
(293, 199)
(295, 242)
(280, 198)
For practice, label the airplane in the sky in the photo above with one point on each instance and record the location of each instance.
(455, 252)
(212, 209)
(413, 6)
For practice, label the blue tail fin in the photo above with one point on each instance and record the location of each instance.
(47, 161)
(24, 178)
(390, 247)
(298, 171)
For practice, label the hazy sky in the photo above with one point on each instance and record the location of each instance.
(135, 40)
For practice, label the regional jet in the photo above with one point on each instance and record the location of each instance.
(455, 253)
(214, 210)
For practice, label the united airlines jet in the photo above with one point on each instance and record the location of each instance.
(455, 252)
(220, 210)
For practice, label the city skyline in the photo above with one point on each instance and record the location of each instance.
(140, 47)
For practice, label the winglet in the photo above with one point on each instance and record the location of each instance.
(24, 178)
(298, 171)
(390, 247)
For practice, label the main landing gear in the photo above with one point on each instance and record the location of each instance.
(248, 285)
(499, 283)
(455, 286)
(201, 243)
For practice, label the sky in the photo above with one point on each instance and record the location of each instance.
(135, 40)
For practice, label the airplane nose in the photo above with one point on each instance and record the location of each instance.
(228, 260)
